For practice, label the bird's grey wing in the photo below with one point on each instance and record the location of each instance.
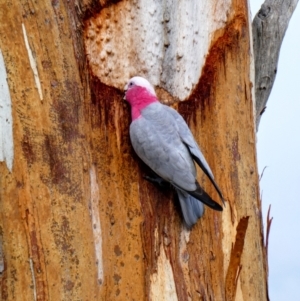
(156, 142)
(188, 138)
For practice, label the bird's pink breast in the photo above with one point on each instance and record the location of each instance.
(139, 98)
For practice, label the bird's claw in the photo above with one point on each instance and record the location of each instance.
(156, 180)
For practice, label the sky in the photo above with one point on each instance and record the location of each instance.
(278, 149)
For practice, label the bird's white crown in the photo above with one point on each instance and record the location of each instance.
(141, 82)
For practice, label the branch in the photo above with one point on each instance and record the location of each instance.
(269, 223)
(268, 27)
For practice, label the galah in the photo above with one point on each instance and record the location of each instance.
(162, 139)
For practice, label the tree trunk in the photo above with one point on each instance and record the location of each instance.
(269, 27)
(78, 220)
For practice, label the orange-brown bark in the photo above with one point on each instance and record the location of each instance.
(78, 220)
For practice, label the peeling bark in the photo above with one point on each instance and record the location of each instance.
(268, 27)
(234, 268)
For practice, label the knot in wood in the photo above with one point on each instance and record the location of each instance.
(264, 12)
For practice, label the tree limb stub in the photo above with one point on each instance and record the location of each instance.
(269, 27)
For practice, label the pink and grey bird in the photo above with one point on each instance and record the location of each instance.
(162, 139)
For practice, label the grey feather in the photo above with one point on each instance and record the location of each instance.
(191, 208)
(162, 139)
(157, 142)
(188, 138)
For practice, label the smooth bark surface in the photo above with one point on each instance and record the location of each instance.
(268, 27)
(78, 220)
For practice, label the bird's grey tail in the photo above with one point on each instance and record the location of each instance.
(192, 209)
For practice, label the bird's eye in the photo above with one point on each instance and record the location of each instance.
(130, 84)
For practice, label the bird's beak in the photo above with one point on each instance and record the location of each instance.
(125, 90)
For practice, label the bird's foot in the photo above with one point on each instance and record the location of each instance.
(157, 180)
